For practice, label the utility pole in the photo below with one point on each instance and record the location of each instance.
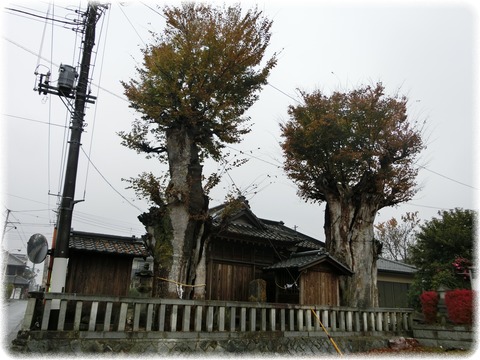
(60, 261)
(6, 223)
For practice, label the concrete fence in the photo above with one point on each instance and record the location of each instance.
(67, 312)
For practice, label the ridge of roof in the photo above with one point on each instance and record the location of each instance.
(243, 210)
(132, 238)
(107, 244)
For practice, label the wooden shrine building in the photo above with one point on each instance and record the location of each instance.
(101, 264)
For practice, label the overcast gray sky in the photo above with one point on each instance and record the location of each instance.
(425, 50)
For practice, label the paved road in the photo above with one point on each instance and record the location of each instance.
(12, 315)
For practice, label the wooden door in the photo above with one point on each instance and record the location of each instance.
(229, 281)
(319, 288)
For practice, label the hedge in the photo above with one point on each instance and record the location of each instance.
(429, 300)
(459, 305)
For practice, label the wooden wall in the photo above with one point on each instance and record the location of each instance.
(232, 265)
(229, 281)
(393, 294)
(92, 273)
(318, 286)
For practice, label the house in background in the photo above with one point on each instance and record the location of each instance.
(393, 282)
(15, 271)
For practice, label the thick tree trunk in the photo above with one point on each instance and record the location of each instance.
(350, 239)
(187, 208)
(158, 240)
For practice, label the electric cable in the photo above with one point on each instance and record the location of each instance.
(49, 140)
(284, 93)
(40, 16)
(448, 178)
(279, 90)
(33, 120)
(254, 157)
(42, 38)
(96, 107)
(109, 183)
(20, 235)
(155, 11)
(134, 29)
(106, 221)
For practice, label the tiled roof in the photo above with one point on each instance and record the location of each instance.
(383, 265)
(296, 262)
(263, 233)
(107, 244)
(307, 259)
(395, 266)
(244, 223)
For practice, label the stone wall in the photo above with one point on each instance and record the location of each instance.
(446, 336)
(268, 343)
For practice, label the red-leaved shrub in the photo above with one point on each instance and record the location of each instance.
(429, 300)
(459, 305)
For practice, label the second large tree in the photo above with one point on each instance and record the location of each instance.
(197, 80)
(356, 152)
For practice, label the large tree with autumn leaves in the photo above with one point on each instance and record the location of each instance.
(197, 80)
(356, 152)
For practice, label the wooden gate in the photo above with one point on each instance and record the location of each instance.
(319, 287)
(229, 281)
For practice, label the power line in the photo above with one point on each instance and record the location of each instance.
(108, 182)
(24, 198)
(246, 153)
(24, 236)
(155, 11)
(96, 108)
(446, 177)
(49, 141)
(105, 225)
(426, 206)
(79, 217)
(276, 88)
(33, 120)
(284, 93)
(42, 17)
(131, 24)
(278, 166)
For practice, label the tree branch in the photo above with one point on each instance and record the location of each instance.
(145, 147)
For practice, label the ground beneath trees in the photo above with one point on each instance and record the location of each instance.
(418, 350)
(403, 346)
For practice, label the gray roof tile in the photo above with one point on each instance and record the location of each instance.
(307, 259)
(107, 244)
(395, 266)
